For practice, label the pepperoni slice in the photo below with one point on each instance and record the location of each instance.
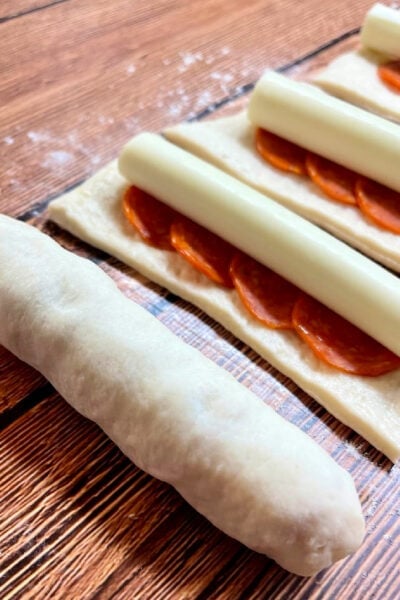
(150, 217)
(335, 181)
(266, 295)
(280, 152)
(390, 74)
(205, 251)
(339, 343)
(379, 203)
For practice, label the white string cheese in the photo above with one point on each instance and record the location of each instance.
(346, 281)
(381, 30)
(350, 136)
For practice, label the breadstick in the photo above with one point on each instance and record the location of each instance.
(173, 412)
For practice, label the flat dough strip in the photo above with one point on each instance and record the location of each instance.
(370, 406)
(228, 143)
(171, 410)
(353, 77)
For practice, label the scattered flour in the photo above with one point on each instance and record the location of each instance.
(175, 109)
(131, 69)
(223, 79)
(57, 158)
(39, 136)
(188, 59)
(203, 100)
(354, 451)
(8, 140)
(59, 152)
(105, 120)
(371, 509)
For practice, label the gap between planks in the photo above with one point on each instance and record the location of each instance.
(30, 11)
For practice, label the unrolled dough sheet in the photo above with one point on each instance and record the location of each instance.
(353, 77)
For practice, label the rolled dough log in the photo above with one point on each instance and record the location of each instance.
(176, 414)
(93, 213)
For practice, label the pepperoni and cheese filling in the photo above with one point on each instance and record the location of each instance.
(378, 203)
(267, 296)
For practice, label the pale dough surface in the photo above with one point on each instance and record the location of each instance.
(370, 406)
(353, 77)
(228, 143)
(171, 410)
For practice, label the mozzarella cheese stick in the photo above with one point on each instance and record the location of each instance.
(346, 134)
(349, 283)
(172, 411)
(93, 212)
(381, 30)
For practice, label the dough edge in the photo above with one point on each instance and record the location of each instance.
(353, 77)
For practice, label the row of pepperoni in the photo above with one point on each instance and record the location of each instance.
(268, 297)
(378, 203)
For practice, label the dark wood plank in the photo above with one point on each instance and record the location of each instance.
(161, 62)
(84, 519)
(17, 380)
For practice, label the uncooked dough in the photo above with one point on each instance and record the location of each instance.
(354, 77)
(93, 213)
(172, 411)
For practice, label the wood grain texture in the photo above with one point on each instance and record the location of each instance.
(118, 68)
(78, 519)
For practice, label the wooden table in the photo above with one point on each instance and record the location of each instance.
(78, 79)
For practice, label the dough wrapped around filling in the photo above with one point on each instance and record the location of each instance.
(173, 412)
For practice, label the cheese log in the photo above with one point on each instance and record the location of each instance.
(338, 276)
(381, 30)
(346, 134)
(172, 411)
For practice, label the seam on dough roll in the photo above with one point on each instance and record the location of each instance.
(176, 414)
